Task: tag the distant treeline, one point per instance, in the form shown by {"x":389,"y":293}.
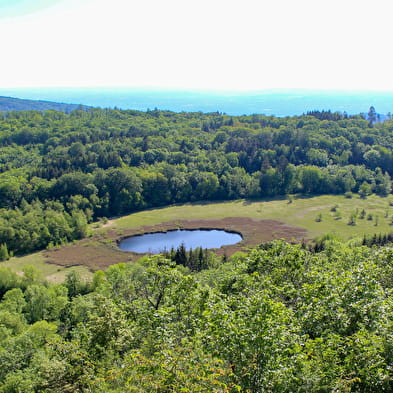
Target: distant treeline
{"x":8,"y":104}
{"x":62,"y":171}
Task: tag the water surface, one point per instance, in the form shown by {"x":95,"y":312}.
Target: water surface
{"x":159,"y":242}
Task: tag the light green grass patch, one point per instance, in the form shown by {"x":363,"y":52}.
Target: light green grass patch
{"x":302,"y":212}
{"x":60,"y":275}
{"x":51,"y":272}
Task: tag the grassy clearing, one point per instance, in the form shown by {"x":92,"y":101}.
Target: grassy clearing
{"x":60,"y":274}
{"x":316,"y":214}
{"x":313,"y":213}
{"x":53,"y":273}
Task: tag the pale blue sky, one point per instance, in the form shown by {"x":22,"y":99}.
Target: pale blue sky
{"x":14,"y":8}
{"x":207,"y":44}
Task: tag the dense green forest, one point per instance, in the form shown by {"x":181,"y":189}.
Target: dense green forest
{"x":277,"y":319}
{"x":59,"y":171}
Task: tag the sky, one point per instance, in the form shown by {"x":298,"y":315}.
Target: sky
{"x":198,"y":44}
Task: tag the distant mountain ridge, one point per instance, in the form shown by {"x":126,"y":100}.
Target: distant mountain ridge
{"x":280,"y":103}
{"x":8,"y":104}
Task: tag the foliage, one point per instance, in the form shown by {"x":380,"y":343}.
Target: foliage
{"x":60,"y":171}
{"x":195,"y":259}
{"x":4,"y":255}
{"x":280,"y":318}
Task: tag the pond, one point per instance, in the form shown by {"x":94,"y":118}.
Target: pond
{"x":157,"y":242}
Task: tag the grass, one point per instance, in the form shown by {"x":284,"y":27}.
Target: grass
{"x":302,"y":212}
{"x":53,"y":273}
{"x":319,"y":215}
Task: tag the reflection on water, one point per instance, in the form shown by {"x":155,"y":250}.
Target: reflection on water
{"x":158,"y":242}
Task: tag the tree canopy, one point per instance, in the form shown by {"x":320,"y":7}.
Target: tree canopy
{"x":60,"y":171}
{"x":279,"y":318}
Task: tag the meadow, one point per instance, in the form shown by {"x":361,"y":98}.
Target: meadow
{"x":297,"y":211}
{"x":349,"y":219}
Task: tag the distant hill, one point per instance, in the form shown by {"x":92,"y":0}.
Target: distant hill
{"x":8,"y":104}
{"x":278,"y":102}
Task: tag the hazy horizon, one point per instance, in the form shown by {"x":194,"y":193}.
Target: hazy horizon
{"x":279,"y":102}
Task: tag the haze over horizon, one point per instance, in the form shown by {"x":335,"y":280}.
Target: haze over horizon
{"x":208,"y":45}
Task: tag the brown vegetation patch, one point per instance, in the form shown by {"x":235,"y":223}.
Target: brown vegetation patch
{"x":101,"y":251}
{"x":95,"y":255}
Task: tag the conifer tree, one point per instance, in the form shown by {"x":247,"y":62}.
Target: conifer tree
{"x":4,"y":255}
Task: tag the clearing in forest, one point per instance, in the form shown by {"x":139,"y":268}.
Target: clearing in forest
{"x":258,"y":221}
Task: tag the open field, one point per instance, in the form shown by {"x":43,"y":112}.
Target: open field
{"x":257,"y":221}
{"x":51,"y":272}
{"x":302,"y":212}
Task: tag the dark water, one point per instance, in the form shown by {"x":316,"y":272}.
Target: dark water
{"x":158,"y":242}
{"x":277,"y":102}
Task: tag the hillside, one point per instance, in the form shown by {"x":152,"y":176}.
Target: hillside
{"x":59,"y":172}
{"x":8,"y":104}
{"x":274,"y":317}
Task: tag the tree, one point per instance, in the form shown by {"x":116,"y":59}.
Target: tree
{"x":8,"y":280}
{"x":10,"y":192}
{"x":311,"y":179}
{"x":75,"y":285}
{"x":384,"y":185}
{"x":4,"y":255}
{"x":45,"y":303}
{"x":270,"y":182}
{"x":181,"y":255}
{"x":155,"y":188}
{"x":13,"y":301}
{"x":372,"y":116}
{"x":205,"y":185}
{"x":364,"y":190}
{"x":372,"y":158}
{"x":124,"y":189}
{"x":317,"y":157}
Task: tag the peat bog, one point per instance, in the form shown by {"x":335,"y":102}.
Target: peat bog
{"x":101,"y":250}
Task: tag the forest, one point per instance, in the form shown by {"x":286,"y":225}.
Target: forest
{"x":59,"y":172}
{"x":278,"y":318}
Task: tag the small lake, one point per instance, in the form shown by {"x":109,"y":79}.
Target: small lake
{"x":158,"y":242}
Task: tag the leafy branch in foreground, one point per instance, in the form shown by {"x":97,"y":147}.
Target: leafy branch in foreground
{"x":278,"y":319}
